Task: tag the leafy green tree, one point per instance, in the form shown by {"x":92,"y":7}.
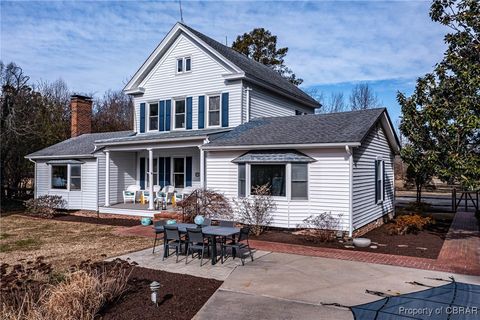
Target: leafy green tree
{"x":260,"y":45}
{"x":442,"y":117}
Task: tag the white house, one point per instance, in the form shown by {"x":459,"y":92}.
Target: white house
{"x":207,"y":116}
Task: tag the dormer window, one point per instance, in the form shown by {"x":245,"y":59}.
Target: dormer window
{"x":184,"y":65}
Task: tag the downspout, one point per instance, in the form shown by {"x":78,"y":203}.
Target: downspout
{"x":34,"y":178}
{"x":350,"y":196}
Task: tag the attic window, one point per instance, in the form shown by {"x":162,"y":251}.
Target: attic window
{"x":184,"y":64}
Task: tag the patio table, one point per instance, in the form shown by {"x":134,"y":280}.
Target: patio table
{"x":212,"y":231}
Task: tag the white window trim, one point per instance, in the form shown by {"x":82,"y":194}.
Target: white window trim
{"x":184,"y":64}
{"x":208,"y":110}
{"x":148,"y":117}
{"x":68,"y":178}
{"x":174,"y":114}
{"x":288,"y":182}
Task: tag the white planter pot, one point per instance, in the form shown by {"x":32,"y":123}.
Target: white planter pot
{"x":361,"y":242}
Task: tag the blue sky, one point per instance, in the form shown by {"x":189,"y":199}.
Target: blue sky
{"x":98,"y":45}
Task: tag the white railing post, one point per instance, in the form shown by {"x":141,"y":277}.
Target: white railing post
{"x":107,"y":178}
{"x":150,"y":179}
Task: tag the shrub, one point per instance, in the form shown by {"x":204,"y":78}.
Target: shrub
{"x":208,"y":203}
{"x":45,"y":206}
{"x":411,"y":223}
{"x":34,"y":291}
{"x":256,"y":210}
{"x":321,"y":227}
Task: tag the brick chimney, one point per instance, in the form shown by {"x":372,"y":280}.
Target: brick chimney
{"x":81,"y":115}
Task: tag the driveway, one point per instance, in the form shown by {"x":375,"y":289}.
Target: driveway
{"x":287,"y":286}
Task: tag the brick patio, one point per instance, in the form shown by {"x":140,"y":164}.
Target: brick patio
{"x":460,"y":252}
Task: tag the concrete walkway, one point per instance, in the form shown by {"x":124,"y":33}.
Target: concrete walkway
{"x":287,"y":286}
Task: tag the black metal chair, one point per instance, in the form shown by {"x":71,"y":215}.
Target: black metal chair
{"x":239,"y":245}
{"x":159,"y":223}
{"x":196,"y":242}
{"x":172,"y":239}
{"x":207,"y":222}
{"x":226,"y":223}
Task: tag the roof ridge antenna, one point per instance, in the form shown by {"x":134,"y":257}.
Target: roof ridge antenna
{"x":181,"y":12}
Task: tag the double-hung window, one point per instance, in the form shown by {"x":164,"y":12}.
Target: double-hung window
{"x":214,"y":111}
{"x":153,"y":116}
{"x":379,"y":180}
{"x":66,"y":177}
{"x":184,"y":64}
{"x":179,"y":172}
{"x":299,"y":178}
{"x":180,"y":114}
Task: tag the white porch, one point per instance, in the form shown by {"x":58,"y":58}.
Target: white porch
{"x":146,"y":167}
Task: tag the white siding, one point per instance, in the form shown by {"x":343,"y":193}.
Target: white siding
{"x":122,"y":174}
{"x":328,"y":185}
{"x":205,"y":78}
{"x":264,"y":103}
{"x":365,"y":209}
{"x":85,"y":199}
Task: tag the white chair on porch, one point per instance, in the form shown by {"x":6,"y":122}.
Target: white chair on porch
{"x":185,"y":192}
{"x":146,"y":193}
{"x":131,"y":193}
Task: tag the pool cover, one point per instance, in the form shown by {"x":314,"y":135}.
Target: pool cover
{"x":452,"y":301}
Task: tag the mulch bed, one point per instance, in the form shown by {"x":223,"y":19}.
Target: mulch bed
{"x":180,"y":296}
{"x":431,"y":238}
{"x":118,"y":222}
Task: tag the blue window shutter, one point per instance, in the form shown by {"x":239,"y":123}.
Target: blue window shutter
{"x":161,"y":116}
{"x":189,"y":113}
{"x":201,"y":112}
{"x":167,"y":171}
{"x":142,"y":117}
{"x":188,"y":171}
{"x":225,"y":109}
{"x":142,"y":173}
{"x":161,"y":172}
{"x":168,"y":110}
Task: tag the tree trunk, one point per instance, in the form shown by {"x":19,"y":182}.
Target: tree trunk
{"x":419,"y":193}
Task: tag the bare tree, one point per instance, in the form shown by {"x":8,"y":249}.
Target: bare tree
{"x":113,"y":112}
{"x":363,"y":97}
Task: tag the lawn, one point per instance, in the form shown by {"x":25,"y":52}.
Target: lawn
{"x":62,"y":243}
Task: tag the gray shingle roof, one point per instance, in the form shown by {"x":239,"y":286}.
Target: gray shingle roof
{"x":319,"y":128}
{"x":78,"y":146}
{"x":154,"y":136}
{"x":255,"y":69}
{"x":273,"y":156}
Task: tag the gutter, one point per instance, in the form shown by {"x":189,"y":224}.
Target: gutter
{"x":202,"y":137}
{"x":283,"y":146}
{"x":61,"y":156}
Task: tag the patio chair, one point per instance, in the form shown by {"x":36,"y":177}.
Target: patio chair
{"x":196,"y":242}
{"x":183,"y":194}
{"x":160,"y":223}
{"x":168,"y":192}
{"x":207,"y":222}
{"x":172,"y":239}
{"x":226,"y":223}
{"x":146,"y":193}
{"x":241,"y":244}
{"x":131,"y":193}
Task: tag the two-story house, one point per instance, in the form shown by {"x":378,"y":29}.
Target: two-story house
{"x":207,"y":116}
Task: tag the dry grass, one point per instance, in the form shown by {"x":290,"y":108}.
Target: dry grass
{"x":61,"y":243}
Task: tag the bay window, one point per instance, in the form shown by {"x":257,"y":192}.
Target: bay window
{"x":66,"y":177}
{"x":299,"y":181}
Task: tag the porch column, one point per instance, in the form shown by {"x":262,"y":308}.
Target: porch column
{"x":107,"y":178}
{"x":150,"y":179}
{"x":202,"y":167}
